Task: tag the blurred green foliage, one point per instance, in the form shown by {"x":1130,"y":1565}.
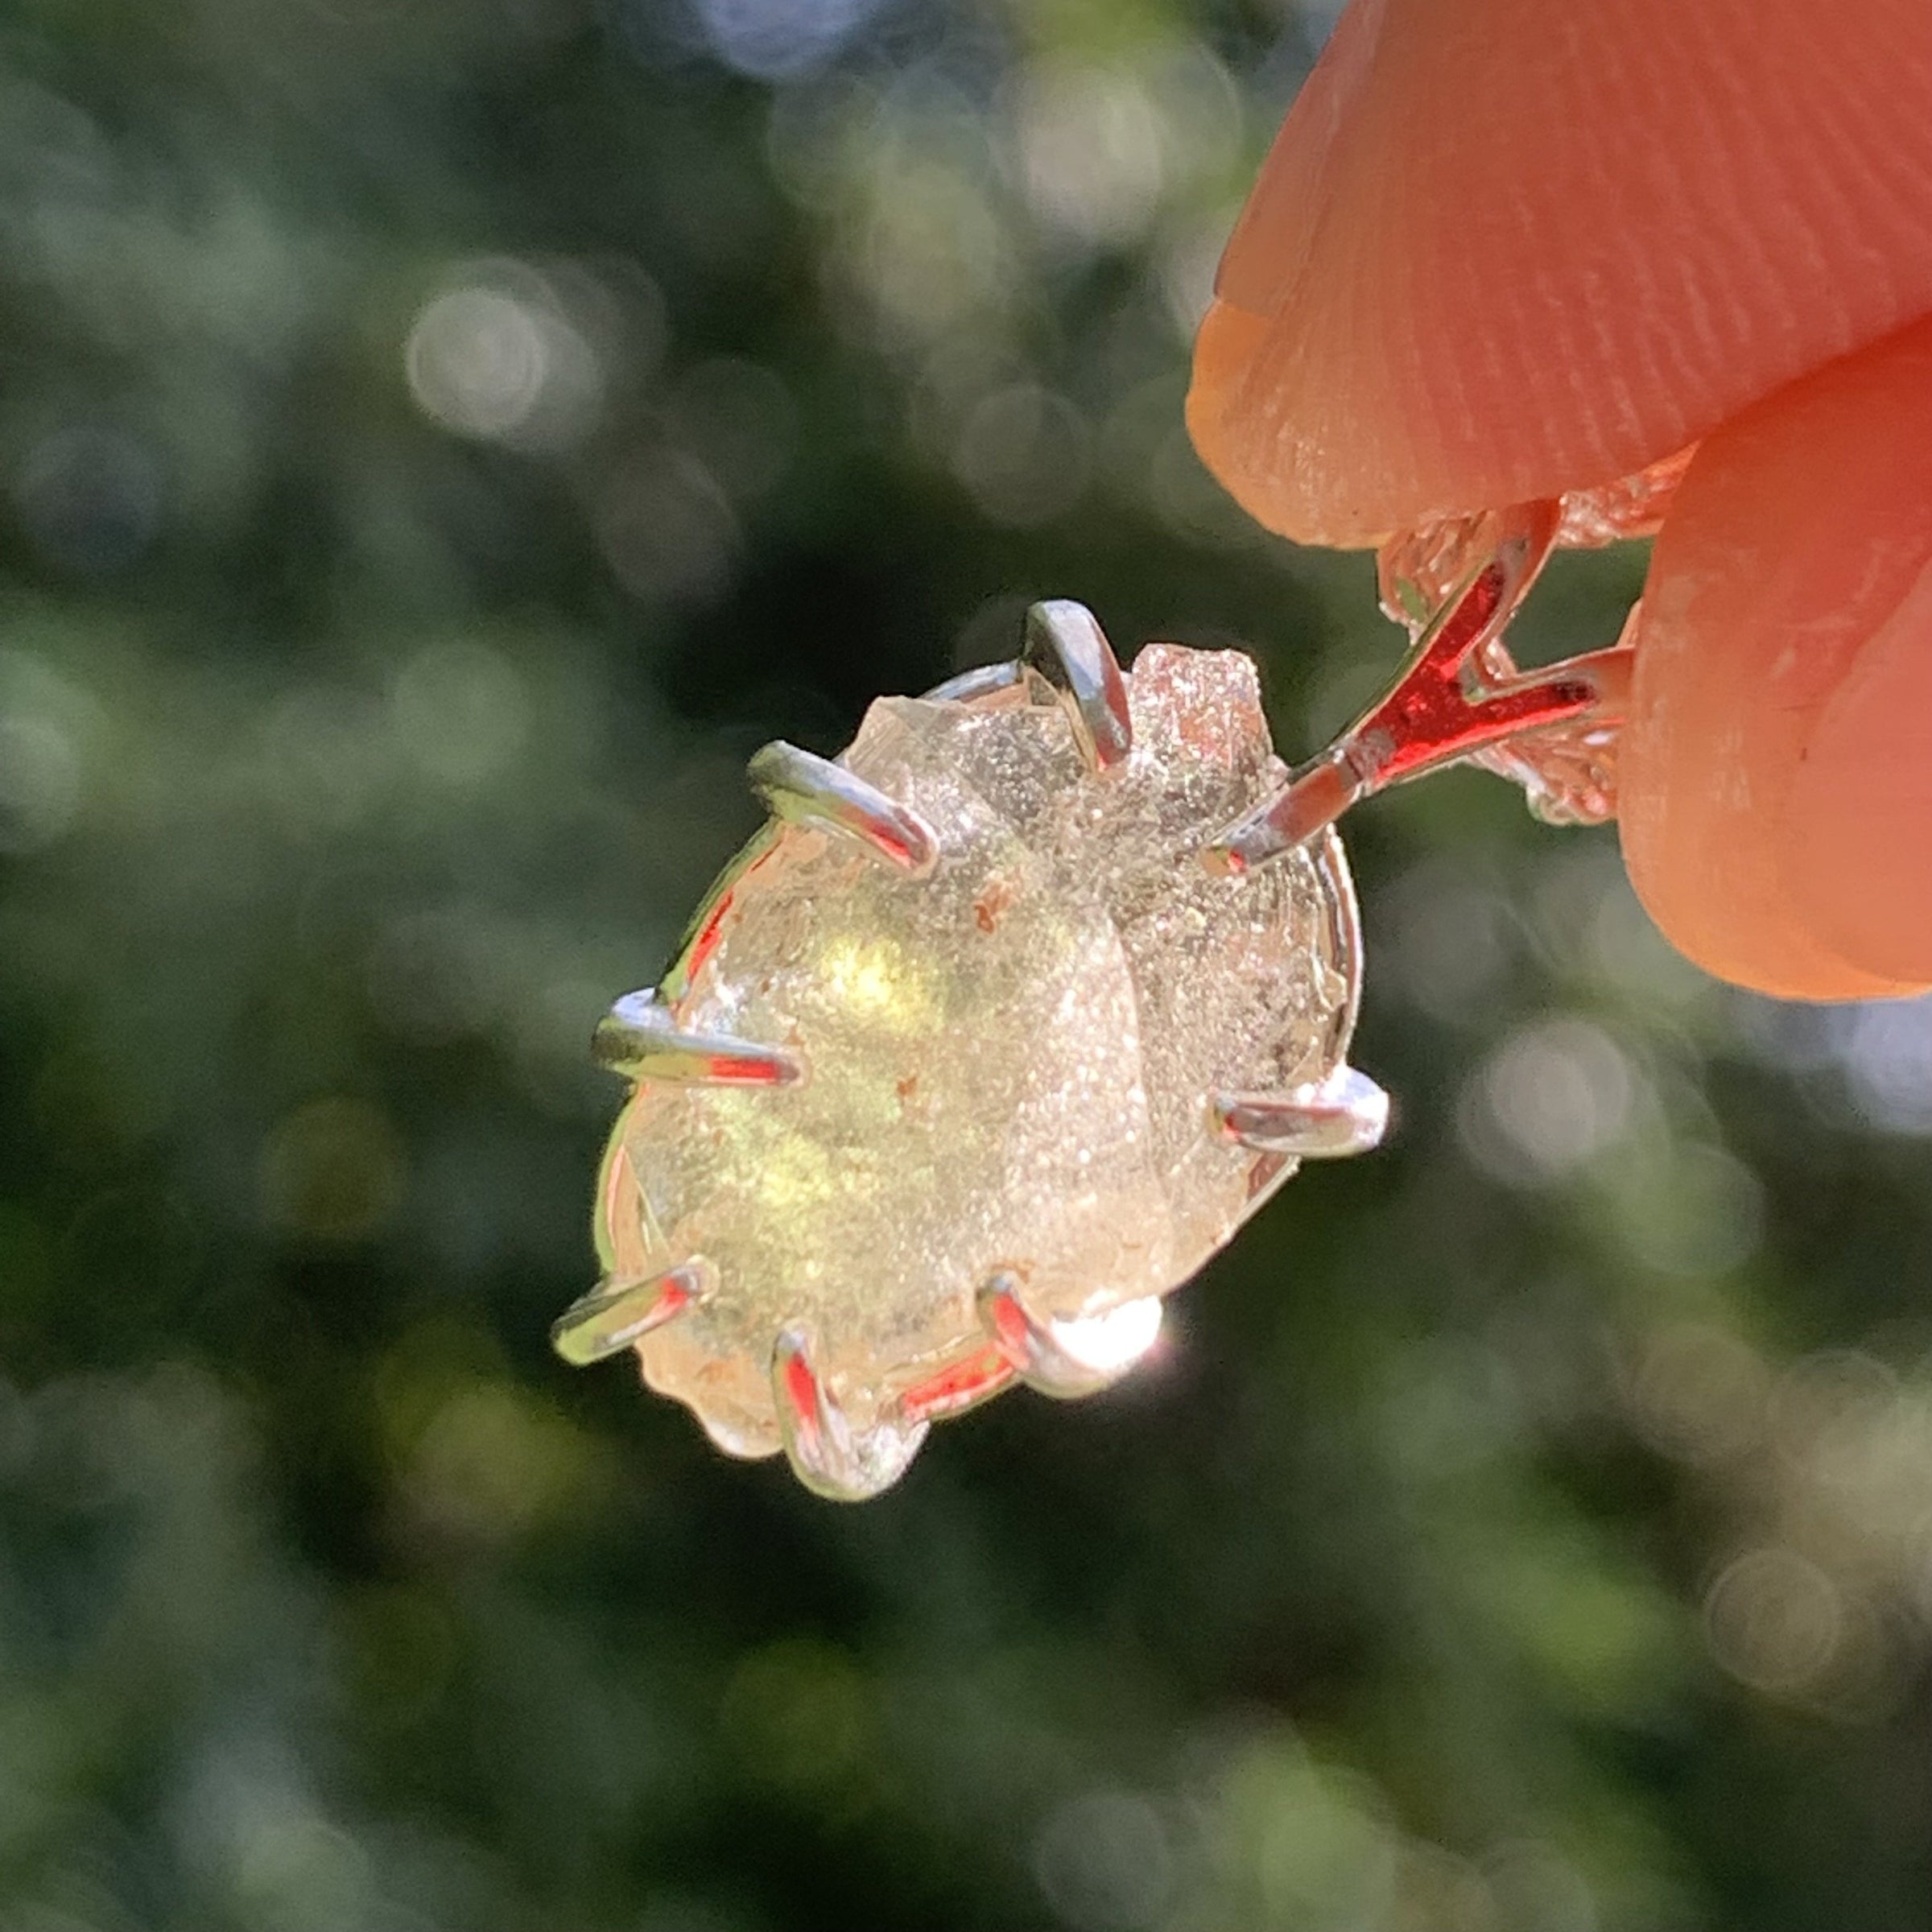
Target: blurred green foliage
{"x":439,"y":438}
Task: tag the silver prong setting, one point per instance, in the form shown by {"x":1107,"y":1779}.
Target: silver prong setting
{"x":1312,"y":800}
{"x":1067,"y":1359}
{"x":955,"y":1389}
{"x":1065,"y":645}
{"x":982,"y":681}
{"x":800,"y":786}
{"x":1345,"y":1114}
{"x":639,"y":1039}
{"x":620,"y":1314}
{"x":828,"y":1455}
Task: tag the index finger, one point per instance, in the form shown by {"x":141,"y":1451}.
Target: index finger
{"x":1503,"y":248}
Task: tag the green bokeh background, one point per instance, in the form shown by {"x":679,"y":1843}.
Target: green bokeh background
{"x":439,"y":439}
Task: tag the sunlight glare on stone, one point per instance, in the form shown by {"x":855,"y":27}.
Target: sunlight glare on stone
{"x":874,"y":978}
{"x":1114,"y":1340}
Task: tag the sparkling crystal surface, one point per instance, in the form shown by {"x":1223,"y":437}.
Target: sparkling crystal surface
{"x":1417,"y":568}
{"x":1568,"y":775}
{"x":1009,"y":1063}
{"x":1632,"y":506}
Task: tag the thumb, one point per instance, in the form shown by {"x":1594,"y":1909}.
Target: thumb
{"x":1777,"y":771}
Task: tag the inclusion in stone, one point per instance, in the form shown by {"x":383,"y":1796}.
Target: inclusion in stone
{"x":1009,"y":1133}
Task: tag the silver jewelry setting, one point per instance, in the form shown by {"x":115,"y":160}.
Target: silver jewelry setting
{"x":850,"y":1426}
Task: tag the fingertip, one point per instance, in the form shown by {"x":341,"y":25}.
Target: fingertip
{"x":1764,"y":952}
{"x":1276,"y":484}
{"x":1223,"y":350}
{"x":1501,"y":250}
{"x":1775,"y":806}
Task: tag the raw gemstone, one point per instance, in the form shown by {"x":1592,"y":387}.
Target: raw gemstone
{"x":1009,"y":1063}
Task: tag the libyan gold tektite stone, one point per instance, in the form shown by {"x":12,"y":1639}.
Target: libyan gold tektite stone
{"x":1008,"y":1062}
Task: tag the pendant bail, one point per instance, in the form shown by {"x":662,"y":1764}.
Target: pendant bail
{"x":1458,"y":693}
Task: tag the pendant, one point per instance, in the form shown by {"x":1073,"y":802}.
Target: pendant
{"x":1010,"y":1015}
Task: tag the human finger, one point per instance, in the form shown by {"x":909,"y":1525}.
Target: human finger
{"x":1503,"y":248}
{"x":1776,"y":775}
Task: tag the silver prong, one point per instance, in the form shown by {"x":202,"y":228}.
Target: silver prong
{"x":798,"y":785}
{"x":611,"y":1317}
{"x":982,"y":681}
{"x":1346,"y":1114}
{"x":963,"y":1385}
{"x":1066,"y":646}
{"x":1315,"y":797}
{"x":828,"y":1455}
{"x":1066,"y":1359}
{"x":639,"y":1039}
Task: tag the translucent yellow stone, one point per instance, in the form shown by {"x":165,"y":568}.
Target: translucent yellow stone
{"x":1009,"y":1063}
